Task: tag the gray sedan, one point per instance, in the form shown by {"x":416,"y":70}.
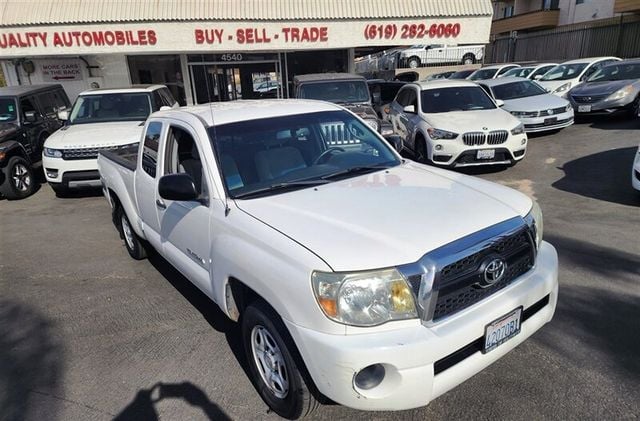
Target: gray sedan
{"x":612,"y":89}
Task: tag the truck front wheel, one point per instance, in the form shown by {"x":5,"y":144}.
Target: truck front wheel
{"x":277,"y":374}
{"x":468,"y":59}
{"x":413,"y":62}
{"x":132,"y":242}
{"x":18,"y":179}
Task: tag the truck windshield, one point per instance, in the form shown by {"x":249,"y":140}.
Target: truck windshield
{"x":336,"y":91}
{"x":8,"y":109}
{"x":100,"y":108}
{"x":269,"y":156}
{"x":445,"y":100}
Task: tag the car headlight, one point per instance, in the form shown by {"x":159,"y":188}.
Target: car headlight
{"x":364,"y":298}
{"x":52,"y":153}
{"x":562,"y":88}
{"x":621,"y":93}
{"x":438,"y":134}
{"x":372,"y":123}
{"x":535,"y":221}
{"x":524,"y":114}
{"x":568,"y":108}
{"x":519,"y":129}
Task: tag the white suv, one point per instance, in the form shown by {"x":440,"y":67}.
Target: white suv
{"x":100,"y":119}
{"x":455,"y":123}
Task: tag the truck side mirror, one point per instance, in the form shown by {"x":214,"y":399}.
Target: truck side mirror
{"x":499,"y":103}
{"x":63,"y":115}
{"x":179,"y":187}
{"x":409,"y":109}
{"x":30,"y":116}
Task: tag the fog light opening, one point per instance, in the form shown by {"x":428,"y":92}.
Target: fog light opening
{"x":369,"y":377}
{"x":51,"y":173}
{"x":438,"y":147}
{"x":523,"y":141}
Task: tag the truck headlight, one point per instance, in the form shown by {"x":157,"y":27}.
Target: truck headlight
{"x":372,"y":123}
{"x":519,"y":129}
{"x":52,"y":153}
{"x":620,"y":93}
{"x":364,"y":298}
{"x":535,"y":221}
{"x":438,"y":134}
{"x":562,"y":88}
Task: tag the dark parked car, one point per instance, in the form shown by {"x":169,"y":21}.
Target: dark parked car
{"x":462,"y":74}
{"x":28,"y":115}
{"x":382,"y":94}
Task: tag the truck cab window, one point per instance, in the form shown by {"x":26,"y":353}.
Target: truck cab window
{"x":183,"y":157}
{"x":26,"y":105}
{"x":150,"y":148}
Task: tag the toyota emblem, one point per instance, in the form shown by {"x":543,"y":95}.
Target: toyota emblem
{"x":493,"y":272}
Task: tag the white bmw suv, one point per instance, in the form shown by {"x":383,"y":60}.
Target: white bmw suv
{"x":454,"y":123}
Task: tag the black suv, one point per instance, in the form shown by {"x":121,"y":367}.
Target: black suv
{"x":28,"y":115}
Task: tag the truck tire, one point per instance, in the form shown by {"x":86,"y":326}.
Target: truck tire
{"x":134,"y":244}
{"x":413,"y":62}
{"x":19,"y":180}
{"x":277,"y":370}
{"x":469,"y":59}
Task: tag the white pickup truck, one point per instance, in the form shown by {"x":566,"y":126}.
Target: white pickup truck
{"x":429,"y":55}
{"x":354,"y":274}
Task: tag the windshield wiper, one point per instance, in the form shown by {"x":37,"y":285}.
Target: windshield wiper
{"x":361,"y":169}
{"x":281,"y":186}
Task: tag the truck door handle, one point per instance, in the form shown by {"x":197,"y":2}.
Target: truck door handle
{"x":160,"y":204}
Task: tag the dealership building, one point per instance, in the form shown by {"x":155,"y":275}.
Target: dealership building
{"x":216,"y":50}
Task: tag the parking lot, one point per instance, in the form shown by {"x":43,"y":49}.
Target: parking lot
{"x":88,"y":333}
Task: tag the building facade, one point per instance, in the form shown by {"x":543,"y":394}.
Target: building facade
{"x":216,"y":50}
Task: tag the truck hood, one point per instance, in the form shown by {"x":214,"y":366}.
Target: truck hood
{"x":601,"y":88}
{"x":95,"y":135}
{"x":387,"y":218}
{"x":362,"y":111}
{"x":535,"y":103}
{"x":7,"y":130}
{"x":471,"y":121}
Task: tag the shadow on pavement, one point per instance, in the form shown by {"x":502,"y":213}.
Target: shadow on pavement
{"x":611,"y":122}
{"x":603,"y":176}
{"x":143,"y":405}
{"x":31,"y":362}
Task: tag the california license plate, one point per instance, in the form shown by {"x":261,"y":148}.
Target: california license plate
{"x":551,"y":120}
{"x":486,"y":154}
{"x":584,"y":108}
{"x":501,"y":330}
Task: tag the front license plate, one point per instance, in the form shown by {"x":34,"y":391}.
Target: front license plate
{"x":501,"y":330}
{"x":584,"y":108}
{"x":486,"y":154}
{"x":551,"y":120}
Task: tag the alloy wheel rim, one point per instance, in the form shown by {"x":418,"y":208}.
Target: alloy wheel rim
{"x":128,"y":235}
{"x":269,"y":361}
{"x":21,"y":177}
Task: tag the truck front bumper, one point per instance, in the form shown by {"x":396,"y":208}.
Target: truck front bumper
{"x":422,"y":362}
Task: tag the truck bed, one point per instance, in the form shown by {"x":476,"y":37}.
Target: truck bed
{"x":126,"y":157}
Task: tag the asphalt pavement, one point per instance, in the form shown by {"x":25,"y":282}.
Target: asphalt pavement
{"x":86,"y":333}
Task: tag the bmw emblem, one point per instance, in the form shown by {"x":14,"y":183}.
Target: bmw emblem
{"x":484,"y":128}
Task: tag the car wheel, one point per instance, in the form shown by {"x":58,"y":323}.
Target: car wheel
{"x":414,"y":62}
{"x":132,"y":242}
{"x":634,"y":111}
{"x":277,"y":371}
{"x":469,"y":59}
{"x":421,"y":154}
{"x":19,"y":181}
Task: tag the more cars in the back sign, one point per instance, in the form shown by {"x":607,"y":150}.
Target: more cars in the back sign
{"x":560,"y":79}
{"x":615,"y":88}
{"x":533,"y":105}
{"x":492,"y":72}
{"x":456,"y":124}
{"x":533,"y":72}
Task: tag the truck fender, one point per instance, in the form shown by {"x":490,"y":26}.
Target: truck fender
{"x":128,"y":208}
{"x":12,"y":148}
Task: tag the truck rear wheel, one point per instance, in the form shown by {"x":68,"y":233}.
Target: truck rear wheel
{"x":18,"y":179}
{"x":413,"y":62}
{"x":277,"y":370}
{"x":132,"y":242}
{"x":468,"y":59}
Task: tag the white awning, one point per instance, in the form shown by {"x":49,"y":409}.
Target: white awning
{"x":60,"y":12}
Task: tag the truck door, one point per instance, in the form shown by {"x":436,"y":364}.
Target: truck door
{"x":146,"y":180}
{"x":31,"y":128}
{"x":185,"y":231}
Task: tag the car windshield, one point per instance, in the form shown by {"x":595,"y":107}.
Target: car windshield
{"x":520,"y":89}
{"x":8,"y":109}
{"x":518,"y":72}
{"x":462,"y":74}
{"x":616,"y":72}
{"x":444,"y":100}
{"x":564,"y":72}
{"x":269,"y":156}
{"x":337,"y":91}
{"x":481,"y":74}
{"x":100,"y":108}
